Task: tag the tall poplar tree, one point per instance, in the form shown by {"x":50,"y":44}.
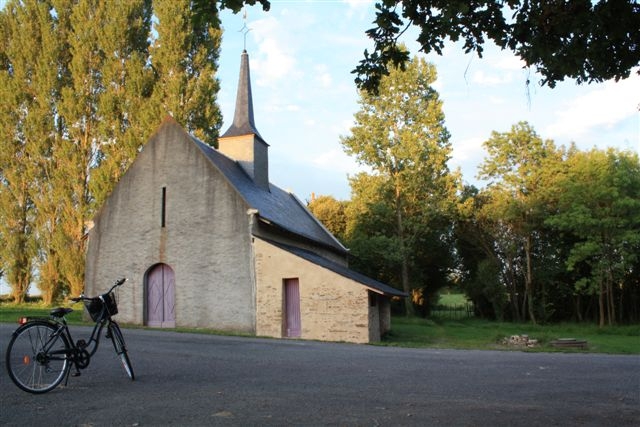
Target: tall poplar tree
{"x":125,"y":108}
{"x":184,"y":58}
{"x":82,"y":90}
{"x":106,"y":44}
{"x":29,"y":82}
{"x":400,"y":134}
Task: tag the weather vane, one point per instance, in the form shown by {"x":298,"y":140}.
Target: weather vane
{"x":245,"y":30}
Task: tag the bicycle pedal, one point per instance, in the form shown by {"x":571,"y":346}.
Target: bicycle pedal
{"x":76,"y":374}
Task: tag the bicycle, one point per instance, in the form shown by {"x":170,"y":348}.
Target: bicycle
{"x":41,"y":351}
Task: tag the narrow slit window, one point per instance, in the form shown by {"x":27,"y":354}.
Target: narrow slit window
{"x":163,"y":209}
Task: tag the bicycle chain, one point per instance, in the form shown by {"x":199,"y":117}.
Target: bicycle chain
{"x":82,"y":356}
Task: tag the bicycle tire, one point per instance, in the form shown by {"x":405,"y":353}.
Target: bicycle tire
{"x":121,"y":349}
{"x":37,"y":359}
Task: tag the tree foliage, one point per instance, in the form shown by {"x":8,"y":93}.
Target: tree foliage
{"x":400,"y":134}
{"x":580,"y":39}
{"x":184,"y":58}
{"x":84,"y":83}
{"x":599,"y":205}
{"x":516,"y":166}
{"x":559,"y":227}
{"x":27,"y":49}
{"x":331,"y":213}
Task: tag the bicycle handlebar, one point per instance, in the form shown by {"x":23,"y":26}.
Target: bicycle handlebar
{"x":84,"y":298}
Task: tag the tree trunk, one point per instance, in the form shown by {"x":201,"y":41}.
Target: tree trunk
{"x":528,"y":280}
{"x":601,"y":302}
{"x":409,"y":310}
{"x":513,"y":291}
{"x":404,"y":265}
{"x":578,"y":308}
{"x":611,"y":308}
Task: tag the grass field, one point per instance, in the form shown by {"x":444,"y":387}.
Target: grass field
{"x":452,"y":299}
{"x":488,"y":335}
{"x":468,"y":333}
{"x":10,"y":313}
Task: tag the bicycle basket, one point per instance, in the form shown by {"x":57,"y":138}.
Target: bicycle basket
{"x":96,"y":305}
{"x":111,"y":303}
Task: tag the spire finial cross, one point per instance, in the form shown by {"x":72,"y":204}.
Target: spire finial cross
{"x":245,"y":29}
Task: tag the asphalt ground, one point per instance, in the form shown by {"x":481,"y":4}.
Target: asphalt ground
{"x":201,"y":380}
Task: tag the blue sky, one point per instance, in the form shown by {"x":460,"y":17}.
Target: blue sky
{"x":301,"y":56}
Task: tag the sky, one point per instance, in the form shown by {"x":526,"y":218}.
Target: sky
{"x":301,"y":56}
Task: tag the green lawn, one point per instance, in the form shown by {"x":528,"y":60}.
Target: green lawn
{"x":487,"y":335}
{"x":451,"y":299}
{"x":457,"y":334}
{"x":10,"y":313}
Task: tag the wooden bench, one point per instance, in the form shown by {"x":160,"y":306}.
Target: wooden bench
{"x":569,"y":343}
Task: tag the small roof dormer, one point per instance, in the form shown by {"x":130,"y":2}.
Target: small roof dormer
{"x":242,"y":141}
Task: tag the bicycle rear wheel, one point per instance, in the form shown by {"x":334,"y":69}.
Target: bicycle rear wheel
{"x":121,"y":349}
{"x":37,"y":357}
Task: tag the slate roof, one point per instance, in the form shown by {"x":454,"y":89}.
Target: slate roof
{"x":277,"y":207}
{"x":281,"y":208}
{"x":341,"y":270}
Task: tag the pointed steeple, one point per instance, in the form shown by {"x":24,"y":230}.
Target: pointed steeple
{"x":243,"y":121}
{"x":241,"y":141}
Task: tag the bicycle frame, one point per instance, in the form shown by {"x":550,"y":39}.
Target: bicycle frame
{"x":41,"y":341}
{"x":81,"y":351}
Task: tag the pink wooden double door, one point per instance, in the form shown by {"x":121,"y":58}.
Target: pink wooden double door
{"x":161,"y":297}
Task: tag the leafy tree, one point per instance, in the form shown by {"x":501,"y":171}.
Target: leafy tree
{"x":27,"y":50}
{"x":479,"y":273}
{"x":184,"y":58}
{"x":104,"y":43}
{"x":82,"y":91}
{"x":369,"y":229}
{"x":208,"y":6}
{"x":590,"y":41}
{"x":599,"y":204}
{"x":400,"y":134}
{"x":580,"y":39}
{"x":331,"y":213}
{"x":516,"y":167}
{"x":125,"y":108}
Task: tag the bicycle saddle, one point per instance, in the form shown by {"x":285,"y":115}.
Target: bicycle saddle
{"x":60,"y":311}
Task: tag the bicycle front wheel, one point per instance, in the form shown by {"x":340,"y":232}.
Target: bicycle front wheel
{"x":37,"y":357}
{"x":121,"y":349}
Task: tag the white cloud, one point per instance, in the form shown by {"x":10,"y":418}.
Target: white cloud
{"x":276,"y":58}
{"x":467,"y":149}
{"x":343,"y":128}
{"x":358,"y":4}
{"x":323,"y":76}
{"x":603,"y":107}
{"x":278,"y":106}
{"x":497,"y":100}
{"x":337,"y":161}
{"x":467,"y":155}
{"x":509,"y":62}
{"x":482,"y":78}
{"x":358,"y":7}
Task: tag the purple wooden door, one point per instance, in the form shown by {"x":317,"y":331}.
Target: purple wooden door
{"x":161,"y":297}
{"x":292,"y":308}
